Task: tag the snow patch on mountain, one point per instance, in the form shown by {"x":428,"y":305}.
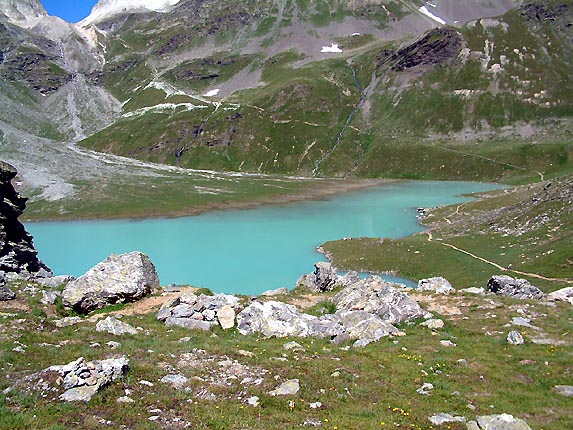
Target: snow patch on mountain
{"x":107,"y":8}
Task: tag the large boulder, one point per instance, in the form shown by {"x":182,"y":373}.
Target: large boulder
{"x":17,"y":252}
{"x":363,"y":327}
{"x":118,"y":279}
{"x":504,"y":285}
{"x":281,"y":319}
{"x":379,"y":297}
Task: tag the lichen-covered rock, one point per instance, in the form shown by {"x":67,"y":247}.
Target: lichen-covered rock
{"x":504,"y":285}
{"x":437,"y":285}
{"x":118,"y":279}
{"x":379,"y":297}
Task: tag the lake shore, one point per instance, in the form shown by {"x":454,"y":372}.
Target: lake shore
{"x":308,"y":189}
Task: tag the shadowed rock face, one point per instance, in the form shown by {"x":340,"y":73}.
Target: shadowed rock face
{"x":17,"y":253}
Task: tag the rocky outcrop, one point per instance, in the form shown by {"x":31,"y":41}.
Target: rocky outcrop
{"x":17,"y":252}
{"x":504,"y":285}
{"x":380,"y":298}
{"x":281,"y":319}
{"x":5,"y":292}
{"x":200,"y":312}
{"x":324,"y":278}
{"x":564,"y":295}
{"x":118,"y":279}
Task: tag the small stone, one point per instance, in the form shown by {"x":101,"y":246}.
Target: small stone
{"x":125,"y":399}
{"x":153,"y":418}
{"x":293,"y":346}
{"x":474,"y":290}
{"x":146,"y":383}
{"x":433,"y":324}
{"x":565,"y":390}
{"x":501,"y":422}
{"x":315,"y":405}
{"x":253,"y":401}
{"x":113,"y":345}
{"x":520,"y":321}
{"x":515,"y":338}
{"x":246,"y":353}
{"x":19,"y":349}
{"x":425,"y":389}
{"x":114,"y":326}
{"x":437,"y":285}
{"x":67,"y":321}
{"x":277,"y":292}
{"x":448,"y":343}
{"x":443,"y":418}
{"x":177,"y":381}
{"x":287,"y":388}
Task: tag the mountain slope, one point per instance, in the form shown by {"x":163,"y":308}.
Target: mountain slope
{"x":371,"y":88}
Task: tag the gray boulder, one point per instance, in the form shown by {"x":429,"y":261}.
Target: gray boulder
{"x":564,"y":390}
{"x":437,"y":285}
{"x":378,"y":297}
{"x":444,"y":418}
{"x":117,"y":279}
{"x":114,"y":326}
{"x":190,"y":323}
{"x":498,"y":422}
{"x":49,"y":297}
{"x":504,"y":285}
{"x":281,"y":319}
{"x":287,"y":388}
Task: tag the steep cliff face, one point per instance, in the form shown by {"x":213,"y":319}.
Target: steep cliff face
{"x":17,"y":253}
{"x":25,"y":13}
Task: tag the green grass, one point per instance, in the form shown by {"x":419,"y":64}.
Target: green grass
{"x":372,"y":387}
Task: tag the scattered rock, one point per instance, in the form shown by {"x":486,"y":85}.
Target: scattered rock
{"x":433,"y":324}
{"x":113,"y":345}
{"x":125,"y":399}
{"x":287,"y":388}
{"x":277,"y":292}
{"x":565,"y":390}
{"x":253,"y":401}
{"x":293,"y":346}
{"x":117,"y":279}
{"x":190,"y":323}
{"x":177,"y":381}
{"x":522,"y":322}
{"x":114,"y":326}
{"x":315,"y":405}
{"x":504,"y":285}
{"x":83,"y":379}
{"x":438,"y":285}
{"x":444,"y":418}
{"x":448,"y":343}
{"x":425,"y":389}
{"x":378,"y":297}
{"x":67,"y":321}
{"x":498,"y":422}
{"x":515,"y":338}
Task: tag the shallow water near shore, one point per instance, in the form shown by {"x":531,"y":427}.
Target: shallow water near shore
{"x":246,"y":251}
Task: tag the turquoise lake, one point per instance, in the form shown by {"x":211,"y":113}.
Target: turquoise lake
{"x":246,"y":251}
